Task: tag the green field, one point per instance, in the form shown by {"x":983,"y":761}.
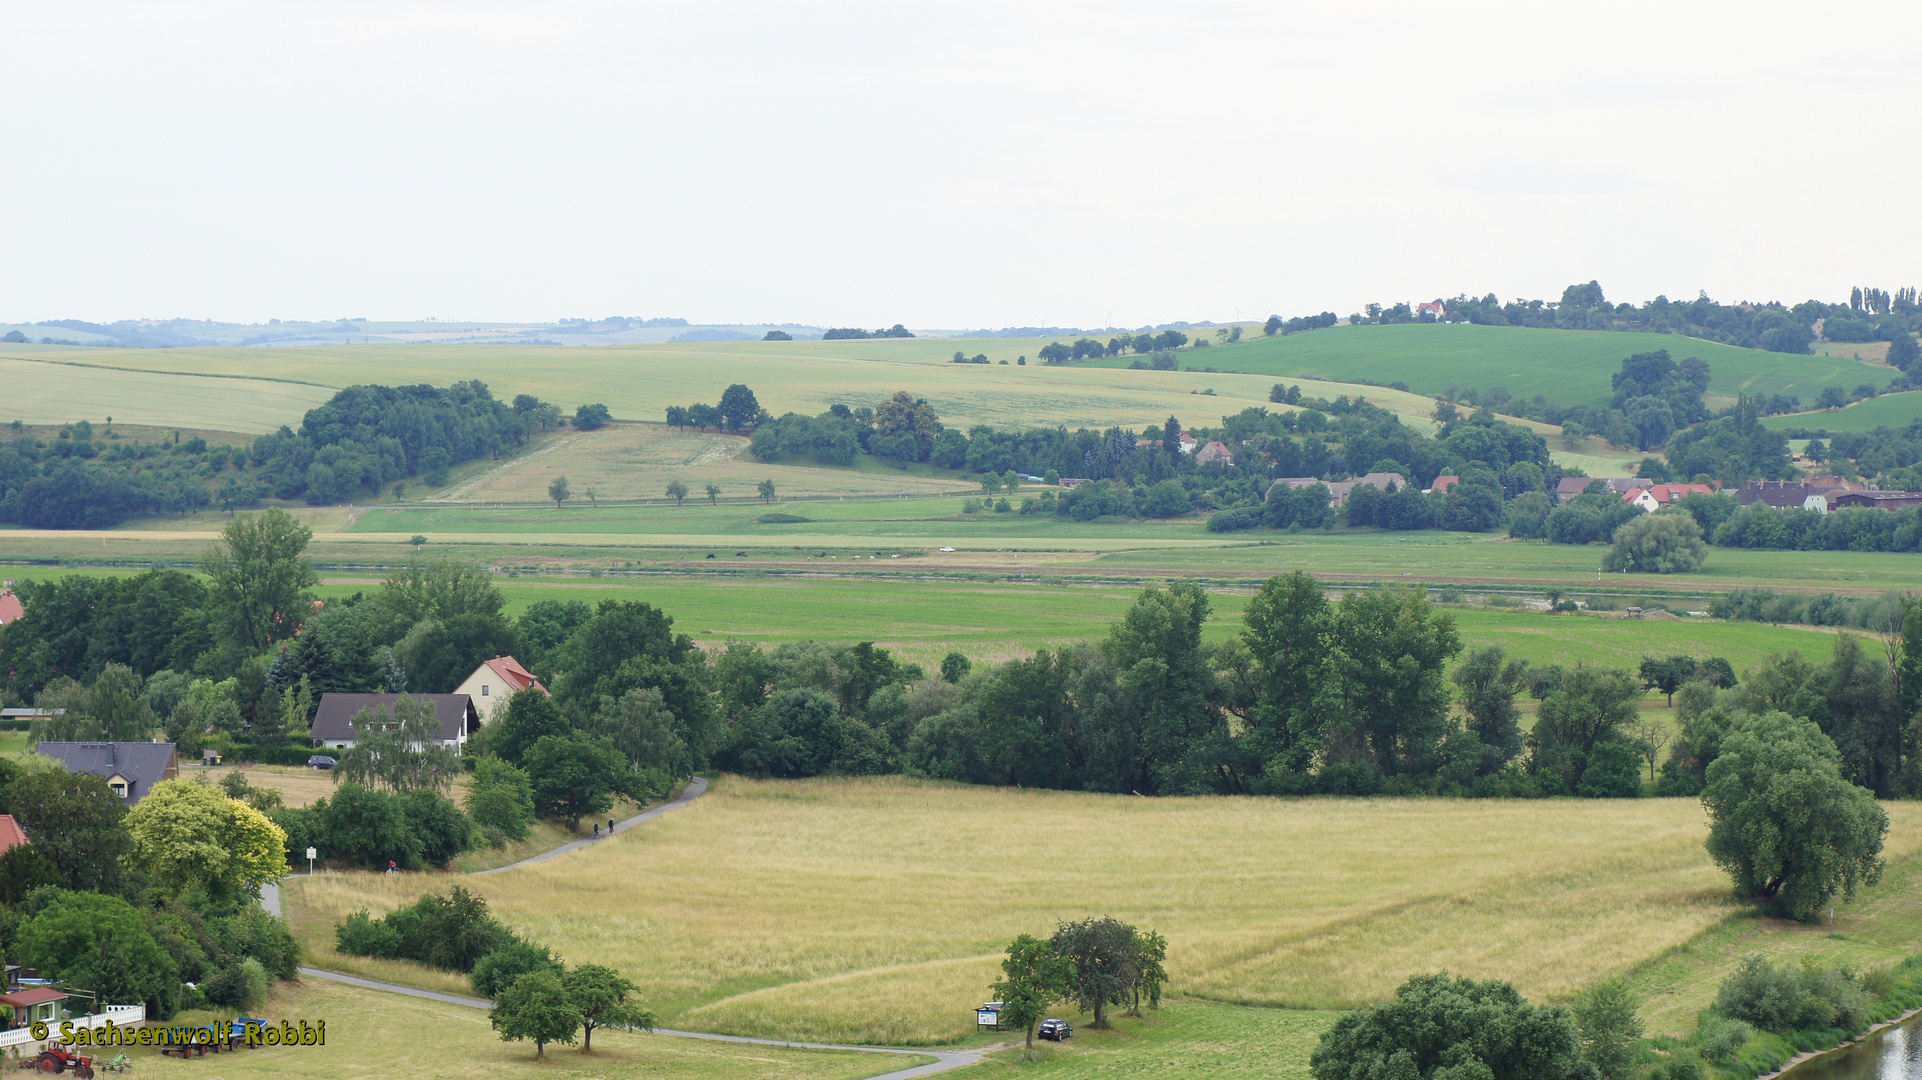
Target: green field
{"x":875,"y":909}
{"x":1569,"y":367}
{"x":924,"y":620}
{"x":373,"y":1035}
{"x":1888,"y":410}
{"x":40,"y":392}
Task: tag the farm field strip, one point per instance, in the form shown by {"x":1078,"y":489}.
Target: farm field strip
{"x":39,"y":392}
{"x":874,"y":910}
{"x":1569,"y":367}
{"x":1888,"y":410}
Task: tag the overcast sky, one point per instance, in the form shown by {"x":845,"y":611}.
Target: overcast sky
{"x":943,"y":165}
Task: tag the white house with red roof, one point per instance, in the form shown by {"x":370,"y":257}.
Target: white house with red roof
{"x":1656,"y":496}
{"x":495,"y":681}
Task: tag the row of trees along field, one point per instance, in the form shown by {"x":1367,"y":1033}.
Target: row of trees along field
{"x":362,"y":440}
{"x":1870,"y":315}
{"x":1313,"y":696}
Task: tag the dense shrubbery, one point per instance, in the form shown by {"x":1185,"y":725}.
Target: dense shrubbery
{"x":452,"y":932}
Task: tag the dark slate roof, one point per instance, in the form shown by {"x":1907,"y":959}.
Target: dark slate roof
{"x":142,"y":763}
{"x":335,"y":717}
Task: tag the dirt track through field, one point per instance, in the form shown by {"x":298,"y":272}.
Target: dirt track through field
{"x":945,"y":1059}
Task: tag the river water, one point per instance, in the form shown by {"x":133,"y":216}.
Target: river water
{"x":1890,"y":1054}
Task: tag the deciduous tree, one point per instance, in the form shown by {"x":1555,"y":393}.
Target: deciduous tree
{"x":186,"y":836}
{"x":600,"y":993}
{"x":1784,"y":822}
{"x":258,"y":576}
{"x":536,"y":1007}
{"x":1034,"y":977}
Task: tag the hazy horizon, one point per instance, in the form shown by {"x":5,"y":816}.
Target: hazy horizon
{"x":944,"y":166}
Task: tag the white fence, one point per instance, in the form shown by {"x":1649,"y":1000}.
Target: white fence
{"x":20,"y":1039}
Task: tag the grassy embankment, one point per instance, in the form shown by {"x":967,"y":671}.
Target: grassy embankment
{"x":875,"y":910}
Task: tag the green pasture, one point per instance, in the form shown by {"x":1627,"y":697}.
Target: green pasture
{"x":924,"y":620}
{"x":1888,"y":410}
{"x":1566,"y":366}
{"x":1186,"y":1037}
{"x":38,"y":391}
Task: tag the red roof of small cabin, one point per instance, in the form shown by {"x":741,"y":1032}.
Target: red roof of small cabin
{"x":36,"y":995}
{"x":10,"y":608}
{"x":11,"y":834}
{"x":1443,"y":483}
{"x":516,"y":676}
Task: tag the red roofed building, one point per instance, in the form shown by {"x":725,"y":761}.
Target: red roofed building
{"x":495,"y":681}
{"x":10,"y":608}
{"x":33,"y":1003}
{"x":1655,"y":497}
{"x":11,"y":834}
{"x":1443,"y":483}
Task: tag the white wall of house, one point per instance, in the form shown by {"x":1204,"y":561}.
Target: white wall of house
{"x":487,"y":690}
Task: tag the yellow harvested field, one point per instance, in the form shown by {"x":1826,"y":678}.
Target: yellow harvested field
{"x":636,"y":461}
{"x":876,"y":910}
{"x":38,"y":391}
{"x":638,"y":382}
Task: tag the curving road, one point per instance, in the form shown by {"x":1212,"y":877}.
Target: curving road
{"x":944,"y":1059}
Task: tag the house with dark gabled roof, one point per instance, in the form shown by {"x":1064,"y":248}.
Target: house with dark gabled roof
{"x":131,"y":769}
{"x":334,"y":718}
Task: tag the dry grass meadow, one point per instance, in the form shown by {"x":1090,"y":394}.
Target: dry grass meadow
{"x":875,"y":910}
{"x":636,"y":461}
{"x":376,"y":1035}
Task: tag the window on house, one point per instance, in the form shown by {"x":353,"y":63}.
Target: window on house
{"x":483,"y":689}
{"x":118,"y":789}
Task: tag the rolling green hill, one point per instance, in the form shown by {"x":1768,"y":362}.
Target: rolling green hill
{"x":1889,"y":410}
{"x":1569,"y":367}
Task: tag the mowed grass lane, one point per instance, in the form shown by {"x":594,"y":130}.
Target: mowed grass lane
{"x":876,"y":910}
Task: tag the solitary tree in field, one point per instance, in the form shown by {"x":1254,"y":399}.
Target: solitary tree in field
{"x":1667,"y":675}
{"x":1035,"y":978}
{"x":1104,"y":955}
{"x":593,"y":495}
{"x":1650,"y":737}
{"x":766,"y":488}
{"x":600,"y":993}
{"x":738,"y":407}
{"x":1784,"y":822}
{"x":538,"y":1007}
{"x":713,"y":495}
{"x":676,"y":491}
{"x":418,"y":541}
{"x":559,"y":492}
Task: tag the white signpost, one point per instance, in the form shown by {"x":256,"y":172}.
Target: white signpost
{"x":310,"y":860}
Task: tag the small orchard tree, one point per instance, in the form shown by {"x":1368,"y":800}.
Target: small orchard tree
{"x":713,"y":495}
{"x":677,"y":491}
{"x":559,"y":491}
{"x":1105,"y":959}
{"x":536,"y":1006}
{"x":418,"y":541}
{"x":1784,"y":822}
{"x":1034,"y":978}
{"x":600,"y":993}
{"x":766,"y":490}
{"x":1151,"y":952}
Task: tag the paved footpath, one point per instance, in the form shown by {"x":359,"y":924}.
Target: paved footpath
{"x":945,"y":1059}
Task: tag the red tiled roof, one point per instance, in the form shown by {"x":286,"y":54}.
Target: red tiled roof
{"x":11,"y":834}
{"x":10,"y":608}
{"x":516,"y":676}
{"x":36,"y":995}
{"x":1443,"y":483}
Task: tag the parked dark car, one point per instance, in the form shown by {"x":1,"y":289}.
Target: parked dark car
{"x":321,"y":761}
{"x":1055,"y":1030}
